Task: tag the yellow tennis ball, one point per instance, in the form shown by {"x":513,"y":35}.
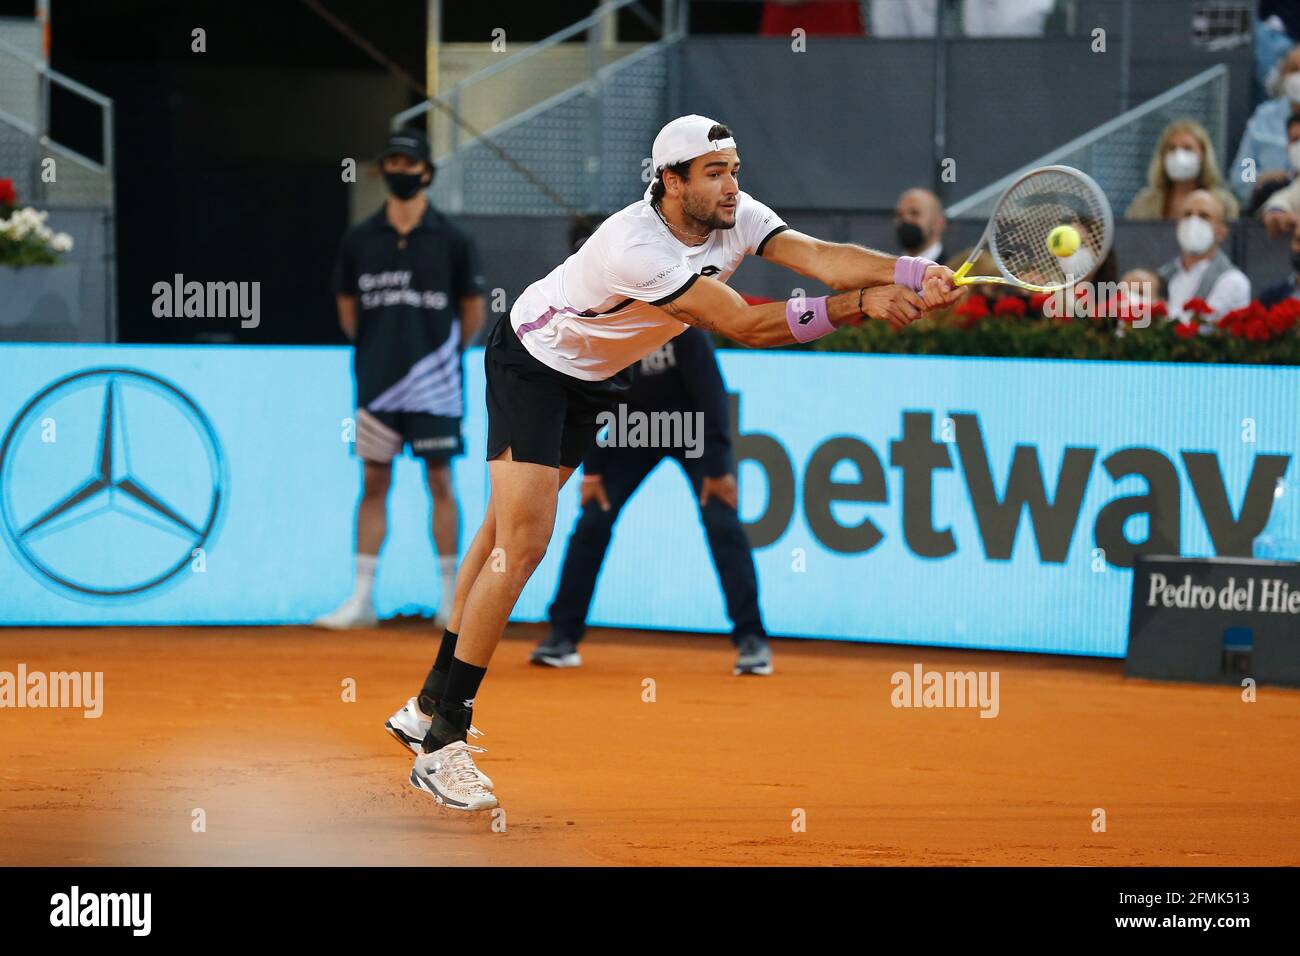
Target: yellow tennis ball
{"x":1063,"y":241}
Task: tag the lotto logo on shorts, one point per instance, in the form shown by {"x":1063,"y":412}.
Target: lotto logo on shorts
{"x":430,"y":444}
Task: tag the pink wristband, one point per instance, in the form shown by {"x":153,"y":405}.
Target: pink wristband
{"x":909,"y":271}
{"x":808,"y":318}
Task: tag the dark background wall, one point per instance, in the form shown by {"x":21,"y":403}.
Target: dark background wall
{"x":228,"y":161}
{"x":850,"y":123}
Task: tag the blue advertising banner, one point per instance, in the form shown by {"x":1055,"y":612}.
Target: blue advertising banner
{"x":988,"y":503}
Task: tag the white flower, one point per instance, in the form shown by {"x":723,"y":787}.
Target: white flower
{"x":29,"y":222}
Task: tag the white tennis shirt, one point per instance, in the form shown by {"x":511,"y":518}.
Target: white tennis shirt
{"x":594,"y":314}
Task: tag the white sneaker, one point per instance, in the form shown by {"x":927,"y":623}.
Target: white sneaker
{"x":353,"y":613}
{"x":450,"y":776}
{"x":410,"y":725}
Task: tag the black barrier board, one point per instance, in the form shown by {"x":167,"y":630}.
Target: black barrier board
{"x":1215,"y":620}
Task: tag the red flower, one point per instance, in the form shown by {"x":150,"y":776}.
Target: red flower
{"x":1288,"y":307}
{"x":1197,"y":306}
{"x":1010,"y":305}
{"x":1185,"y":330}
{"x":975,"y":308}
{"x":1037,"y":300}
{"x":1160,"y":310}
{"x":1234,"y":318}
{"x":1277,"y":324}
{"x":974,"y":303}
{"x":8,"y":195}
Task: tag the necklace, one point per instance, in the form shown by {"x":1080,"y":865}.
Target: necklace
{"x":684,"y":235}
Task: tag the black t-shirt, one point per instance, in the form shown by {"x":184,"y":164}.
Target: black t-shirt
{"x":408,"y":290}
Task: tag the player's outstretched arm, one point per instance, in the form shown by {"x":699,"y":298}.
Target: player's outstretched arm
{"x":714,"y":307}
{"x":842,"y":265}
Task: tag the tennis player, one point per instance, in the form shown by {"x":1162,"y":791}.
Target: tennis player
{"x":647,"y":273}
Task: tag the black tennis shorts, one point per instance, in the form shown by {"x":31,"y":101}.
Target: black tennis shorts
{"x":541,"y":415}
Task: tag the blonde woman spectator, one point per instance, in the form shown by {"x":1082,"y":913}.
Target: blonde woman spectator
{"x":1183,"y":162}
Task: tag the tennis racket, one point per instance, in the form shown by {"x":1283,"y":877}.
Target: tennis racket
{"x":1017,"y":234}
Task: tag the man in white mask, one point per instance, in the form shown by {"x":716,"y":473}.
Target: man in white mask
{"x":1265,"y":139}
{"x":1201,"y":270}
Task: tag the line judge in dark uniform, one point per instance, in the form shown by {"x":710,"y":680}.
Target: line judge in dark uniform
{"x":410,"y":295}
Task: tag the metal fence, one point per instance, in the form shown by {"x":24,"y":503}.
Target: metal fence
{"x":559,"y":149}
{"x":960,"y":85}
{"x":77,"y":189}
{"x":1117,"y":152}
{"x":75,"y":178}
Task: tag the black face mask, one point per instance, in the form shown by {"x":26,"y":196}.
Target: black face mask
{"x":404,"y":185}
{"x":909,"y":235}
{"x":1295,"y":261}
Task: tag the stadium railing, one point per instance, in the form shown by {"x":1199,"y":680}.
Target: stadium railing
{"x":78,"y":189}
{"x":1117,"y":152}
{"x":556,"y":147}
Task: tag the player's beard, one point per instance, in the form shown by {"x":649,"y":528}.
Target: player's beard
{"x":707,"y":215}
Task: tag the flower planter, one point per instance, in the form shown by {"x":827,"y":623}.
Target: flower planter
{"x":40,"y":303}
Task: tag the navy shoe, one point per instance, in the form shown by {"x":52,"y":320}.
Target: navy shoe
{"x":556,"y":651}
{"x":753,"y":656}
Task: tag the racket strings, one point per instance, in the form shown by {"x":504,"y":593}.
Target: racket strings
{"x":1035,"y":206}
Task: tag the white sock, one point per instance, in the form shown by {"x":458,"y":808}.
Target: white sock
{"x":447,"y":567}
{"x":366,"y":564}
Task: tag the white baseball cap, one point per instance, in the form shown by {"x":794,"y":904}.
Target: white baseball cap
{"x":683,"y":139}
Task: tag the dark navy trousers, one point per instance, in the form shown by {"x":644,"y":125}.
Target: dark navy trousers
{"x":624,"y":470}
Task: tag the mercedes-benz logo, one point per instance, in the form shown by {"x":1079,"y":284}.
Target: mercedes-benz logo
{"x":110,"y":478}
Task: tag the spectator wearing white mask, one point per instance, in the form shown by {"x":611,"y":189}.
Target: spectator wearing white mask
{"x":1202,"y":271}
{"x":1281,"y":210}
{"x":1265,"y":140}
{"x":1270,"y":187}
{"x":1183,"y":162}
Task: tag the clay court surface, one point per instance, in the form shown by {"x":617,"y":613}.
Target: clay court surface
{"x":249,"y":725}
